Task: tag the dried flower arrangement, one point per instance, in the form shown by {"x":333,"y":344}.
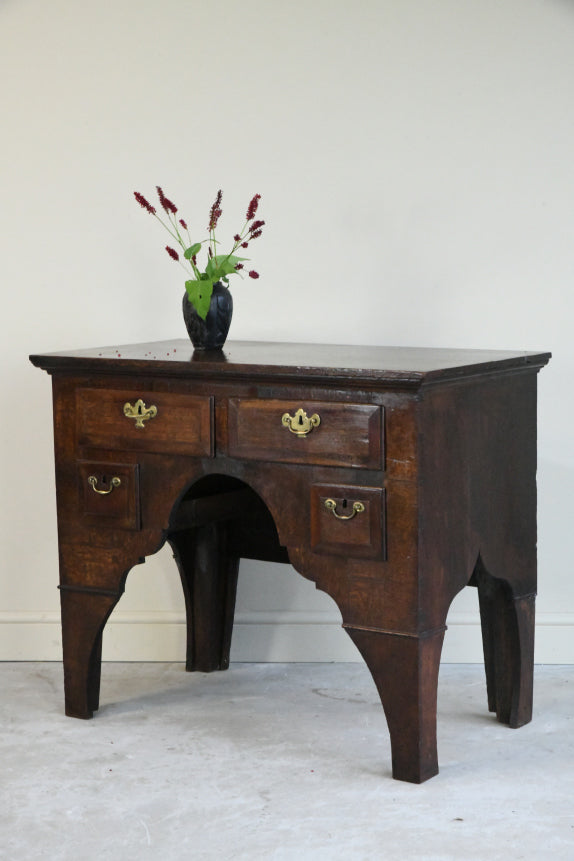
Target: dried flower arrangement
{"x":219,"y":266}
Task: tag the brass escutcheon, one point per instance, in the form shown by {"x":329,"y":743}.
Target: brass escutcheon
{"x":139,"y":412}
{"x":331,"y":506}
{"x":115,"y":482}
{"x":300,"y":424}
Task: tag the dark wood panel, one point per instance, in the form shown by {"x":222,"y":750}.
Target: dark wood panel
{"x":343,"y":531}
{"x":347,"y":435}
{"x":113,"y":499}
{"x":182,"y":423}
{"x":331,"y":363}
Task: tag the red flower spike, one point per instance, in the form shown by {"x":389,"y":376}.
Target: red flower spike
{"x":183,"y":224}
{"x":167,"y":204}
{"x":254,"y":274}
{"x":239,"y":265}
{"x":215,"y":211}
{"x":172,"y":253}
{"x":257,"y":225}
{"x":252,"y":208}
{"x":245,"y":244}
{"x":256,"y":234}
{"x":237,"y":238}
{"x":143,"y":202}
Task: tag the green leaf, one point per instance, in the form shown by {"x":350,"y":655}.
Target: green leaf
{"x":199,"y":294}
{"x":223,"y":264}
{"x":192,"y":251}
{"x":231,"y":258}
{"x":211,"y":269}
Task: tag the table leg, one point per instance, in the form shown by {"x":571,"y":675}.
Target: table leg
{"x":405,"y":670}
{"x":209,"y":579}
{"x":508,"y":643}
{"x":84,"y":615}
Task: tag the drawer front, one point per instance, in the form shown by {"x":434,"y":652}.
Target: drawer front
{"x":348,"y":521}
{"x":315,"y":432}
{"x":109,"y":494}
{"x":145,"y":421}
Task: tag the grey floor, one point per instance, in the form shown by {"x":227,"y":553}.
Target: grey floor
{"x":276,"y":761}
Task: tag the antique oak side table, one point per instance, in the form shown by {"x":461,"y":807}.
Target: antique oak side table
{"x":391,"y":477}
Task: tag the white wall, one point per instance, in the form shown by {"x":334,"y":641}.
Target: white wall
{"x":416,"y":167}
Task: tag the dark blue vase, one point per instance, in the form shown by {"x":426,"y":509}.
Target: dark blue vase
{"x":209,"y":334}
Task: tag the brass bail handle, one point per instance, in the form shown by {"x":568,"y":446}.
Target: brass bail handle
{"x":139,"y":412}
{"x":115,"y":482}
{"x":300,"y":424}
{"x":331,"y":506}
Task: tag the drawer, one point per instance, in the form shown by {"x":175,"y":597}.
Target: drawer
{"x":348,"y":521}
{"x":315,"y":432}
{"x":145,"y":421}
{"x":109,"y":494}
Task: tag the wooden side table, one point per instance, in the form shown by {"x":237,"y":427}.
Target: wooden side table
{"x":391,"y":477}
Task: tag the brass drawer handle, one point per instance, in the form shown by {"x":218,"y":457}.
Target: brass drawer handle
{"x":331,"y":506}
{"x":115,"y":482}
{"x":139,"y":412}
{"x":300,"y":424}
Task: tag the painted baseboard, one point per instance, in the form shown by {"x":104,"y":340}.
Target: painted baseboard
{"x":259,"y":637}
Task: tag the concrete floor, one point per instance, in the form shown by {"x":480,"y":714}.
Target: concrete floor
{"x":276,"y":761}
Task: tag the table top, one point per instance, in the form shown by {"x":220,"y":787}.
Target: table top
{"x":411,"y":366}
